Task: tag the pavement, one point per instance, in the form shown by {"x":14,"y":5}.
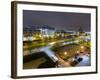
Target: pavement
{"x":85,"y":60}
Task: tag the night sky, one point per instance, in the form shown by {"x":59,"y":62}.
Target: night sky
{"x":58,"y":20}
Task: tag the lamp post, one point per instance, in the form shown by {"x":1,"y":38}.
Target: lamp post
{"x":82,"y":48}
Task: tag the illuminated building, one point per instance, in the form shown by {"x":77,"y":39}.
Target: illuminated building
{"x":47,"y":31}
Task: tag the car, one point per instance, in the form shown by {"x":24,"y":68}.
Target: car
{"x":81,"y":60}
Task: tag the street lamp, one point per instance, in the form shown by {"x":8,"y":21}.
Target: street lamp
{"x":77,"y":51}
{"x":82,"y":47}
{"x":65,"y":53}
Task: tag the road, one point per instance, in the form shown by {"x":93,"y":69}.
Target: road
{"x":55,"y":58}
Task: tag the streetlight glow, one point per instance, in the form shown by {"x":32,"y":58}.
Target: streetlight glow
{"x":65,"y":53}
{"x":52,"y":43}
{"x":77,"y":51}
{"x":82,"y":47}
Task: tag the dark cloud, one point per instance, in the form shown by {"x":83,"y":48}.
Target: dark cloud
{"x":58,"y":20}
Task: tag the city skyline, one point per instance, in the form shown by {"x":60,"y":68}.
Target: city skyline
{"x":58,"y":20}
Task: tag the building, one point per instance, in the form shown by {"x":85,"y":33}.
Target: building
{"x":38,"y":33}
{"x":61,"y":33}
{"x":71,"y":32}
{"x":47,"y":31}
{"x":27,"y":34}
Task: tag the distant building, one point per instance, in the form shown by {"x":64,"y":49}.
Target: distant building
{"x":87,"y":36}
{"x":27,"y":34}
{"x":88,"y":33}
{"x":80,"y":31}
{"x":72,"y":32}
{"x":37,"y":33}
{"x":61,"y":33}
{"x":47,"y":31}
